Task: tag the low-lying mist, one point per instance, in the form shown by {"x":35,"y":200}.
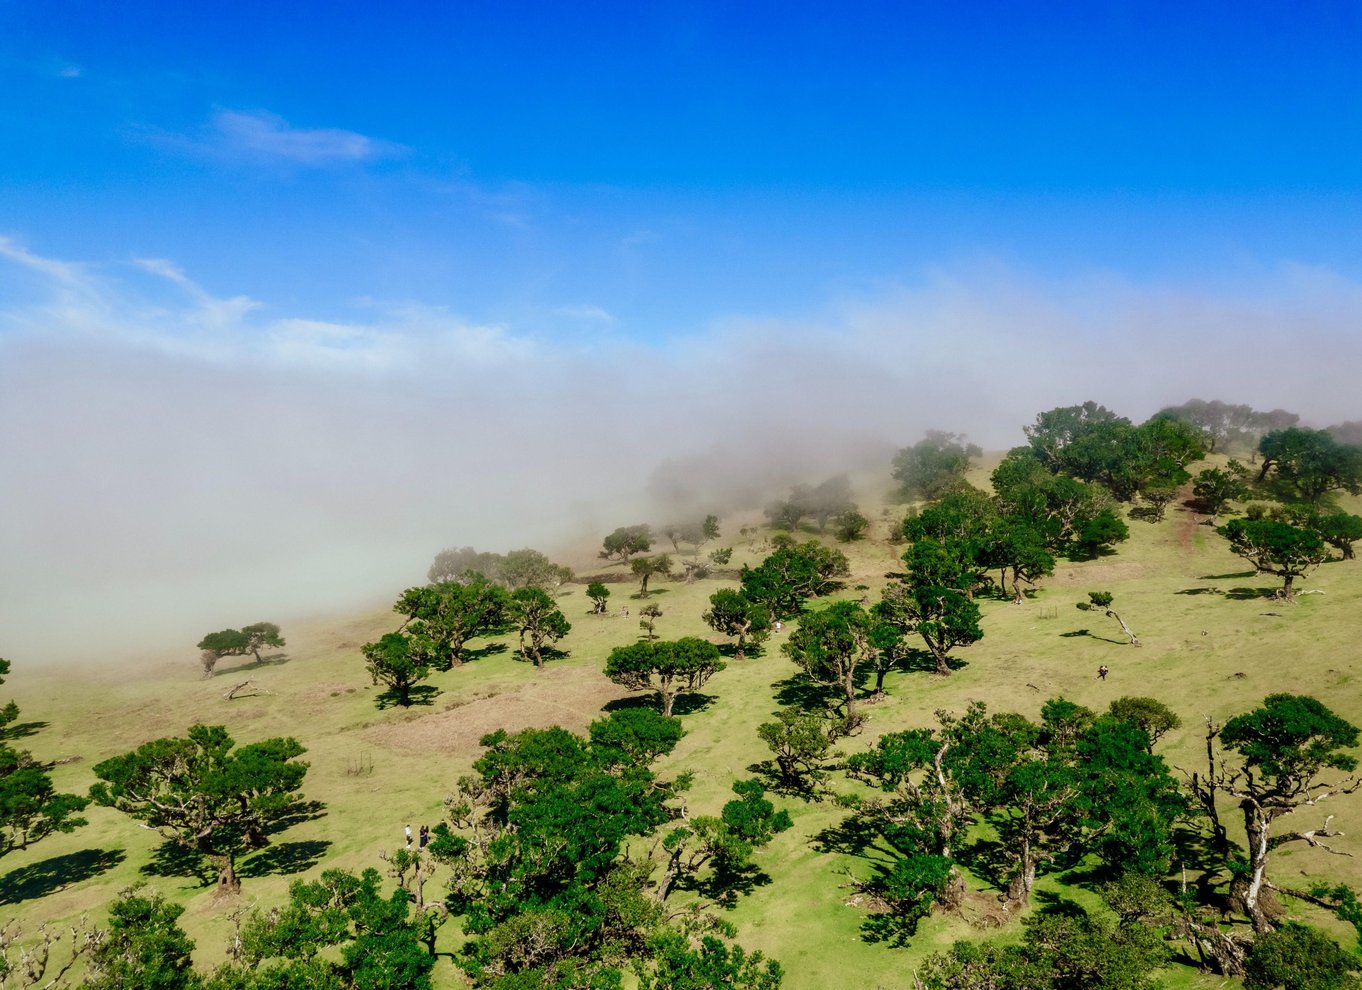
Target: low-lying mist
{"x":171,"y":468}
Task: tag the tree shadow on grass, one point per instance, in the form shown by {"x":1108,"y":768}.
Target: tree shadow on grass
{"x":171,"y":859}
{"x":1250,"y":594}
{"x":1093,"y":635}
{"x":725,"y":886}
{"x":808,"y":695}
{"x":419,"y":694}
{"x":285,"y":858}
{"x":482,"y":652}
{"x":297,"y":813}
{"x":1199,"y":591}
{"x":51,"y":875}
{"x":768,"y":775}
{"x":855,"y":835}
{"x":1227,"y":577}
{"x":639,"y":596}
{"x":686,"y":703}
{"x":266,"y":660}
{"x":22,"y":730}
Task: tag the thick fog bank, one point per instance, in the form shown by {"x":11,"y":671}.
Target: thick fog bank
{"x":167,"y":470}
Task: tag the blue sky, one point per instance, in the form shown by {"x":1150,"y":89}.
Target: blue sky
{"x":353,"y":282}
{"x":673,"y":164}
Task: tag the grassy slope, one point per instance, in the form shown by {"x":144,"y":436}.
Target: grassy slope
{"x":1205,"y":653}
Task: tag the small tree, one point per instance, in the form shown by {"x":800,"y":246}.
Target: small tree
{"x":850,"y":525}
{"x":801,"y":743}
{"x":645,"y":568}
{"x":626,"y":541}
{"x":143,"y":947}
{"x":667,"y":668}
{"x":1298,"y":957}
{"x":1283,"y":747}
{"x":649,"y":614}
{"x":937,"y":601}
{"x":933,"y":465}
{"x":1340,"y":530}
{"x":792,"y":575}
{"x":1275,"y":548}
{"x":1100,"y":601}
{"x":735,"y":615}
{"x":726,"y":842}
{"x":1215,"y":488}
{"x":449,"y":614}
{"x":30,"y":808}
{"x":598,"y":593}
{"x":1152,"y":716}
{"x":539,"y":622}
{"x":205,"y":796}
{"x":400,"y":661}
{"x":830,"y":645}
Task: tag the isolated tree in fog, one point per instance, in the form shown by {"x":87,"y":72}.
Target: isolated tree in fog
{"x":538,"y":621}
{"x":204,"y":795}
{"x":645,"y":568}
{"x":598,"y":593}
{"x":399,"y":660}
{"x":626,"y":541}
{"x":30,"y":808}
{"x":238,"y":642}
{"x":933,"y":465}
{"x":1310,"y":463}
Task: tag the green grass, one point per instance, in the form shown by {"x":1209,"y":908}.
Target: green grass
{"x":1208,"y":651}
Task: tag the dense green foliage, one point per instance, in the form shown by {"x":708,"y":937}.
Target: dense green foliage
{"x":201,"y":793}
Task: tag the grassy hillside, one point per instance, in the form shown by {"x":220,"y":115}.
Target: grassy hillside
{"x":1213,"y":646}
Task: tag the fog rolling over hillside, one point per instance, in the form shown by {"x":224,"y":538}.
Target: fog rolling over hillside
{"x":168,"y":470}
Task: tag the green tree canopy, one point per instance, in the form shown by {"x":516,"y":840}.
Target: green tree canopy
{"x":539,"y":622}
{"x":1275,"y":548}
{"x":831,"y":644}
{"x":934,"y":465}
{"x":204,"y":794}
{"x":792,"y":575}
{"x":30,"y":807}
{"x":668,"y":668}
{"x":400,"y":661}
{"x":626,"y":541}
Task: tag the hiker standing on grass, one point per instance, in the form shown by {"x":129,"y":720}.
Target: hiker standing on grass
{"x":424,"y":835}
{"x":408,"y":836}
{"x":1102,"y":672}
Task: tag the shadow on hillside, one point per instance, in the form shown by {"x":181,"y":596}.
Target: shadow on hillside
{"x":768,"y":775}
{"x":1251,"y":594}
{"x":266,"y":660}
{"x":1199,"y":591}
{"x":856,"y":835}
{"x":51,"y":875}
{"x":285,"y":858}
{"x":652,"y":593}
{"x":687,"y":703}
{"x":419,"y":694}
{"x":1092,"y":635}
{"x":21,"y":730}
{"x":808,"y":695}
{"x":482,"y":652}
{"x":297,"y":813}
{"x":725,"y":886}
{"x":1227,"y":577}
{"x":753,"y":651}
{"x":174,"y":860}
{"x":548,"y":653}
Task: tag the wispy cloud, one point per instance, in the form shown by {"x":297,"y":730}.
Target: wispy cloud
{"x":261,"y":137}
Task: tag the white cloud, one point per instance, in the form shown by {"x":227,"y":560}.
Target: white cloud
{"x":261,"y":137}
